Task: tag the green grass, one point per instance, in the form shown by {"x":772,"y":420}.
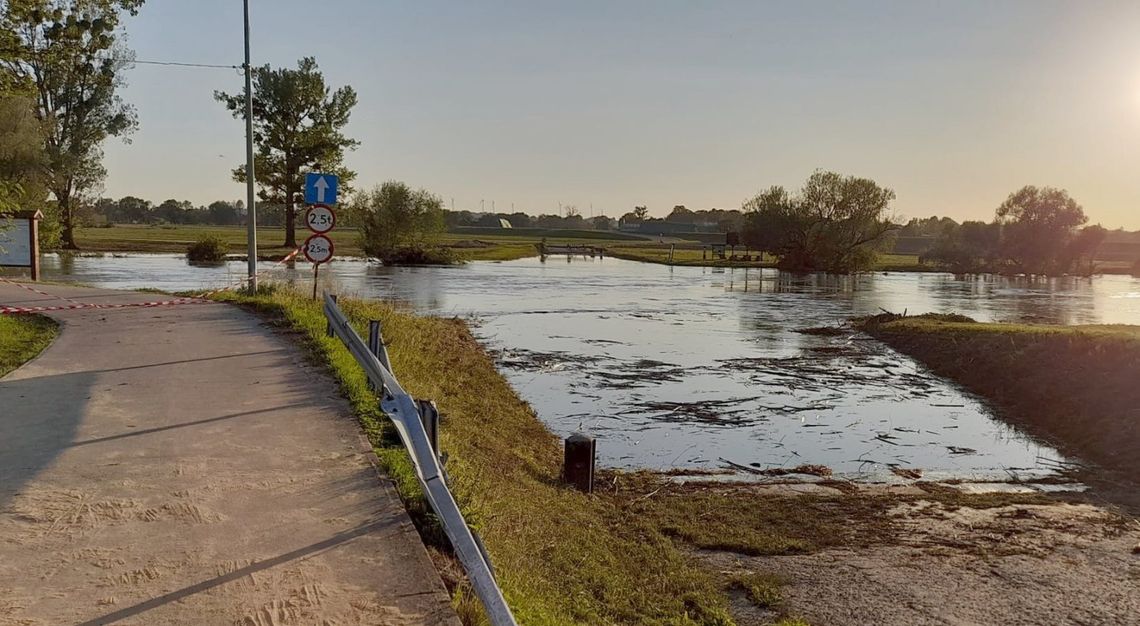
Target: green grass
{"x":1072,"y":386}
{"x":22,"y":337}
{"x":561,"y":557}
{"x":690,"y":255}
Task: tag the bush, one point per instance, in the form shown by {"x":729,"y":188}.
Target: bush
{"x":208,"y":249}
{"x":417,"y":255}
{"x":399,"y":225}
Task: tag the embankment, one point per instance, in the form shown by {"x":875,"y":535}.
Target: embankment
{"x":1076,"y":387}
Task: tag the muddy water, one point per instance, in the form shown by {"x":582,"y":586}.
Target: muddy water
{"x":690,"y":367}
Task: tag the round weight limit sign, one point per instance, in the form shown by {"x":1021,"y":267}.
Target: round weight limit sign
{"x":320,"y":218}
{"x":318,"y":249}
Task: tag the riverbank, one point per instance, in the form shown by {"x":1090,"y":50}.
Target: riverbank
{"x":689,"y":256}
{"x":1072,"y":386}
{"x":22,"y":337}
{"x":664,"y":549}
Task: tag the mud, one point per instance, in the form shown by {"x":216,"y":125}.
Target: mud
{"x":1020,"y":565}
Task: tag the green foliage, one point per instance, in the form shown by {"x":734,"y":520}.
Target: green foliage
{"x":298,"y":127}
{"x":22,"y":337}
{"x":399,"y":225}
{"x":1038,"y":227}
{"x":64,"y":53}
{"x":1035,"y":231}
{"x":207,"y":249}
{"x":834,"y":224}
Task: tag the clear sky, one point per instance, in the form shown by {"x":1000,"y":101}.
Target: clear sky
{"x":952,"y":104}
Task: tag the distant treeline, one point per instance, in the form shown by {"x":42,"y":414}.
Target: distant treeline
{"x":133,"y":210}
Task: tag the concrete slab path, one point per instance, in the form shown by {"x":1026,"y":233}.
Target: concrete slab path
{"x":183,"y":465}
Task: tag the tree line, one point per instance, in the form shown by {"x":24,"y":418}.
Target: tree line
{"x":838,"y":223}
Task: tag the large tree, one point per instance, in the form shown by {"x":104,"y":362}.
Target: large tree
{"x":298,"y":126}
{"x":64,"y":53}
{"x":835,"y":223}
{"x":1037,"y":226}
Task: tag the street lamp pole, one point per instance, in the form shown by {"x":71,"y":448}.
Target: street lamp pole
{"x":250,"y":197}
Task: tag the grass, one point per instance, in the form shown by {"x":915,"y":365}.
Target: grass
{"x":562,"y":557}
{"x":1072,"y":386}
{"x":22,"y":337}
{"x":689,"y":255}
{"x":496,"y":245}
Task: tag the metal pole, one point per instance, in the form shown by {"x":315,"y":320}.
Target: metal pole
{"x":250,"y":197}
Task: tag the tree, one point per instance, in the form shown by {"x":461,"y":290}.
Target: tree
{"x":835,"y":223}
{"x":681,"y":215}
{"x":1038,"y":225}
{"x":601,"y":222}
{"x":969,"y":248}
{"x":1083,"y":247}
{"x":641,"y":213}
{"x":298,"y":127}
{"x":399,"y":225}
{"x":64,"y":53}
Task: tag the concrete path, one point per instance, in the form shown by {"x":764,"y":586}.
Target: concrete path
{"x":183,"y":465}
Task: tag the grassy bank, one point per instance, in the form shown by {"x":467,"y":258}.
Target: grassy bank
{"x":22,"y":337}
{"x":688,"y":256}
{"x":1073,"y":386}
{"x":172,"y":239}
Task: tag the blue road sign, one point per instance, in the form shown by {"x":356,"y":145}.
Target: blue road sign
{"x":320,"y":188}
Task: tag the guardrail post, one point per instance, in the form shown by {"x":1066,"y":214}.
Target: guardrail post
{"x":328,"y":325}
{"x":376,"y":343}
{"x":429,"y":415}
{"x":578,"y":464}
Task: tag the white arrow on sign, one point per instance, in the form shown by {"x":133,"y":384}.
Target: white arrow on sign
{"x":321,"y":186}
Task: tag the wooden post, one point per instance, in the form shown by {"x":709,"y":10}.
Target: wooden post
{"x":578,"y":463}
{"x":672,"y":247}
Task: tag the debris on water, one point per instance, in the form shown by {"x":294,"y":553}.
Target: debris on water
{"x":713,"y":411}
{"x":885,"y":438}
{"x":906,"y":472}
{"x":822,"y":471}
{"x":825,"y":331}
{"x":961,"y":450}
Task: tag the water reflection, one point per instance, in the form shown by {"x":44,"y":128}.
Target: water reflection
{"x":684,"y":367}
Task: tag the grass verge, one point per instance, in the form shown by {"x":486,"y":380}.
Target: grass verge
{"x":22,"y":337}
{"x":562,"y":557}
{"x":1073,"y":386}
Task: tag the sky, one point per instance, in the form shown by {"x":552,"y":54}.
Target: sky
{"x":607,"y":105}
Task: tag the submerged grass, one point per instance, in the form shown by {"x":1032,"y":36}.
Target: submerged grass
{"x":561,"y":557}
{"x":22,"y":337}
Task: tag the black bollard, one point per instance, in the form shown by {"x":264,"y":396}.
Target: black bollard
{"x":578,"y":466}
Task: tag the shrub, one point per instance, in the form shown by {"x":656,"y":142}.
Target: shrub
{"x":208,"y":249}
{"x":399,"y":225}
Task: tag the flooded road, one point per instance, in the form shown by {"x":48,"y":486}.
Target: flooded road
{"x":693,"y":367}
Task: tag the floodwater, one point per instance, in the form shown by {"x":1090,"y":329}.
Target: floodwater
{"x":695,"y":367}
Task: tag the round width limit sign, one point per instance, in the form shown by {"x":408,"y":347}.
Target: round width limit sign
{"x":318,"y":249}
{"x":320,"y":218}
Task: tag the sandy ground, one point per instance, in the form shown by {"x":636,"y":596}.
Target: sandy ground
{"x":1072,"y":564}
{"x":182,"y":465}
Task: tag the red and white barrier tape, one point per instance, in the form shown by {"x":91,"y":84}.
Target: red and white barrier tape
{"x":12,"y":310}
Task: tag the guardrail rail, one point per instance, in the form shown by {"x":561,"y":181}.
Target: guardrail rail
{"x":405,"y":414}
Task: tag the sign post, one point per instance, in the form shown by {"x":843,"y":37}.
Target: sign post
{"x":320,"y":218}
{"x":20,"y":241}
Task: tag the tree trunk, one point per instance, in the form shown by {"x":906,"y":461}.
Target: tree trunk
{"x":67,"y":221}
{"x":290,"y":222}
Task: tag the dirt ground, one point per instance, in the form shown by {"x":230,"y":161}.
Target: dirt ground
{"x":1061,"y":563}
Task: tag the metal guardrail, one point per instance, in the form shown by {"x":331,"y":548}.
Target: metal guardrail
{"x":404,"y":412}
